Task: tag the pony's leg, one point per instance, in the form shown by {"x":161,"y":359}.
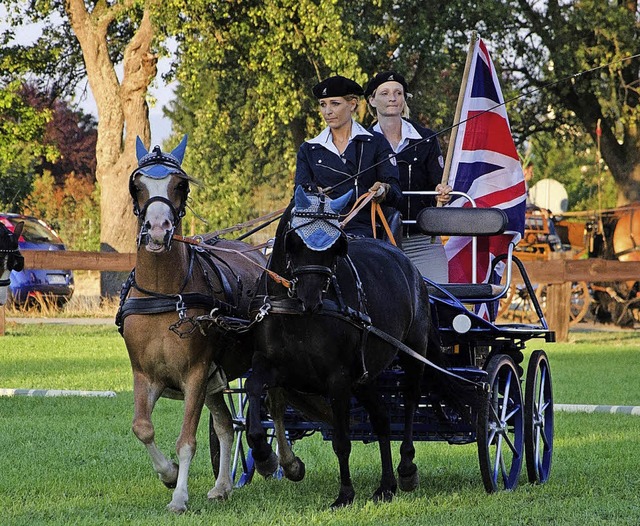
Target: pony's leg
{"x":266,"y":460}
{"x":408,"y":477}
{"x":223,"y":426}
{"x":145,"y":397}
{"x":371,"y":400}
{"x":342,"y":445}
{"x":194,"y":395}
{"x":292,"y":466}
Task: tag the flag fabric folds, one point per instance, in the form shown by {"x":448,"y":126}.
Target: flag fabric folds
{"x":484,"y":164}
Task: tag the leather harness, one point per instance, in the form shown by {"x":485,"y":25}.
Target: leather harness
{"x":156,"y":302}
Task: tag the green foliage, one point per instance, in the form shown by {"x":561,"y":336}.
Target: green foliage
{"x":245,"y":70}
{"x":574,"y":162}
{"x":21,"y":145}
{"x":245,"y":101}
{"x":53,"y":61}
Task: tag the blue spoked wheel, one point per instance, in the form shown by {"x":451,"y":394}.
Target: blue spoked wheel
{"x":538,"y":418}
{"x":500,"y":427}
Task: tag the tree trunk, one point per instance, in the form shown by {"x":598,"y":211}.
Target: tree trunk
{"x":123,"y":114}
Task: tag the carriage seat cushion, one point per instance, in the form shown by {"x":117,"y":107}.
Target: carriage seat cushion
{"x":468,"y":291}
{"x":451,"y":221}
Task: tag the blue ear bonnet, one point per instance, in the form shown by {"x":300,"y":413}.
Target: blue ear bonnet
{"x":316,"y":219}
{"x":158,"y":164}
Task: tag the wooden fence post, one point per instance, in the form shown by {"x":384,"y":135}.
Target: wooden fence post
{"x":558,"y":309}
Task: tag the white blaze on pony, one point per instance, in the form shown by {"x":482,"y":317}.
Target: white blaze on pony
{"x":164,"y":197}
{"x":158,"y":214}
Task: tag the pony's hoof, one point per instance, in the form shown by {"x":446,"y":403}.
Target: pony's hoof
{"x":171,"y":479}
{"x":295,"y":471}
{"x":345,"y":498}
{"x":219,"y":493}
{"x":177,"y":508}
{"x":383,"y":495}
{"x":267,"y":467}
{"x":408,"y":481}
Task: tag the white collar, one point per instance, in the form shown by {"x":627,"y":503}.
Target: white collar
{"x":324,"y":138}
{"x":407,"y":131}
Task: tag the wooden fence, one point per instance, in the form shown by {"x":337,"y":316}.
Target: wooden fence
{"x":557,"y":274}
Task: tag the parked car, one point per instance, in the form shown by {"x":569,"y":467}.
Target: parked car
{"x":28,"y":285}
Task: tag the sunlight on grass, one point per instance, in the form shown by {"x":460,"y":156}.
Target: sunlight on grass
{"x":76,"y":461}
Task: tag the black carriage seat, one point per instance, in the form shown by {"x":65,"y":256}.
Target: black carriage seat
{"x":474,"y":222}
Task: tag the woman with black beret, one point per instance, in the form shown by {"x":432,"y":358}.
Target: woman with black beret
{"x":420,"y":166}
{"x":345,"y":156}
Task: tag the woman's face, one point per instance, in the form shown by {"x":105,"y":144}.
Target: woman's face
{"x":337,"y":111}
{"x":388,"y":99}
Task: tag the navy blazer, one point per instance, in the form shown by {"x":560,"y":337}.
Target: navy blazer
{"x":369,"y":156}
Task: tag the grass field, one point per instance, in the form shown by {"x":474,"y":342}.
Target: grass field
{"x":75,"y":461}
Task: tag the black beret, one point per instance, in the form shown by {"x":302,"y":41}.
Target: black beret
{"x":336,"y":86}
{"x":381,"y":78}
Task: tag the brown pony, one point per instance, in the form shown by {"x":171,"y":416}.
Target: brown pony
{"x":10,"y":257}
{"x":171,"y":285}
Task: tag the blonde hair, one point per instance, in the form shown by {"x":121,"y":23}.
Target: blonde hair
{"x":405,"y":109}
{"x":351,"y":97}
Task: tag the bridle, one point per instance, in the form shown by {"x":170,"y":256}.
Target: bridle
{"x":158,"y":158}
{"x":330,"y":219}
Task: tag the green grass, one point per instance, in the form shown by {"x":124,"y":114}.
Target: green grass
{"x":75,"y":461}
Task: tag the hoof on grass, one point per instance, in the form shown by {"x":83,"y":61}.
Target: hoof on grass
{"x":295,"y":471}
{"x":267,"y":467}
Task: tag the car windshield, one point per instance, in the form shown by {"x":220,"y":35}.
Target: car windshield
{"x":36,"y":232}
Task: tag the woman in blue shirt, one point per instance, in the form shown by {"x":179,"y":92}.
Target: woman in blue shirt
{"x":345,"y":156}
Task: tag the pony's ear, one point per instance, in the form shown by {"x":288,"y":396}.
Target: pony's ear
{"x":178,"y":151}
{"x":301,"y":199}
{"x":17,"y":231}
{"x":141,"y":151}
{"x":338,"y":204}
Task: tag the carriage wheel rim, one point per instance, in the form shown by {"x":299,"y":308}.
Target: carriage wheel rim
{"x":538,"y":419}
{"x":500,"y":427}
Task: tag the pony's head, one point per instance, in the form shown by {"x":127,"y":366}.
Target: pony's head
{"x":10,"y":257}
{"x":159,"y":188}
{"x":314,"y":242}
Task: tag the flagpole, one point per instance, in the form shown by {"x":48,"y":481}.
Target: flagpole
{"x":456,"y":118}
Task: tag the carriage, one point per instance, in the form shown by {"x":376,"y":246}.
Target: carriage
{"x":391,"y":325}
{"x":483,"y":392}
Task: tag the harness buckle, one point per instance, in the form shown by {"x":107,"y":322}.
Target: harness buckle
{"x":181,"y":308}
{"x":263,"y":311}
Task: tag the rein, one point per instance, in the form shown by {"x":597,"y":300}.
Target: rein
{"x":362,"y":322}
{"x":376,"y":209}
{"x":251,"y":222}
{"x":199,"y":243}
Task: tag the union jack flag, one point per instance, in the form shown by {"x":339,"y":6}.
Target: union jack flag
{"x":485,"y":164}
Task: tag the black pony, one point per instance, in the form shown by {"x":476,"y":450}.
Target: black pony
{"x":319,"y":336}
